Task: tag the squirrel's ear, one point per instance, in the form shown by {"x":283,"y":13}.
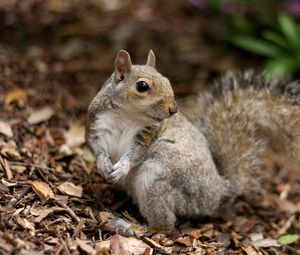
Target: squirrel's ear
{"x":151,"y":59}
{"x":122,"y":64}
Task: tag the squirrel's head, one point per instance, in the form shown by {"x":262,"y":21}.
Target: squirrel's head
{"x":141,"y":90}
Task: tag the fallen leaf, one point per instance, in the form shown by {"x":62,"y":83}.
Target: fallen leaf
{"x":119,"y":246}
{"x":42,"y":213}
{"x":184,"y":241}
{"x":51,"y":240}
{"x":249,"y":250}
{"x":133,"y":246}
{"x":10,"y":150}
{"x":192,"y":232}
{"x":17,"y":95}
{"x":158,"y":237}
{"x":5,"y":129}
{"x":256,"y":237}
{"x":41,"y":115}
{"x":24,"y":223}
{"x":264,"y":243}
{"x":85,"y":247}
{"x":288,"y":239}
{"x":287,"y":206}
{"x":70,"y":189}
{"x":156,"y":245}
{"x":19,"y":169}
{"x":75,"y":136}
{"x":43,"y":191}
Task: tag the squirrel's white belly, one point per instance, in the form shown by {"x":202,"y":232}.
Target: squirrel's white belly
{"x":117,"y":133}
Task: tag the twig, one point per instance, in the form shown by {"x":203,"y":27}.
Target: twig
{"x":64,"y":244}
{"x":78,"y":228}
{"x":286,"y":226}
{"x":31,"y":165}
{"x":69,"y":210}
{"x":16,"y":199}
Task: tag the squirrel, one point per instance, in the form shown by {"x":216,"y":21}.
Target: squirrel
{"x":173,"y":166}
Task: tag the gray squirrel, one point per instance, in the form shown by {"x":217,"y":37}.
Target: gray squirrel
{"x":172,"y":166}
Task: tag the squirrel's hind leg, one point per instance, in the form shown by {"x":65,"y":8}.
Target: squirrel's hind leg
{"x":155,"y":197}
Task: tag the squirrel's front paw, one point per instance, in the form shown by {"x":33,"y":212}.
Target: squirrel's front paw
{"x":119,"y":170}
{"x":104,"y":167}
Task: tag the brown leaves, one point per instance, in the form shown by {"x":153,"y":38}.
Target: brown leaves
{"x":75,"y":135}
{"x":70,"y":189}
{"x":9,"y":150}
{"x":119,"y":245}
{"x":85,"y":247}
{"x":41,"y":213}
{"x":25,"y":224}
{"x":40,"y":115}
{"x":45,"y":89}
{"x":5,"y":129}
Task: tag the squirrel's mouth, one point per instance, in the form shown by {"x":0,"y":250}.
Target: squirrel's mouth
{"x":156,"y":118}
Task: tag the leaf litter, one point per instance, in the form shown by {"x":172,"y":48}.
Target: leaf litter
{"x":52,"y":201}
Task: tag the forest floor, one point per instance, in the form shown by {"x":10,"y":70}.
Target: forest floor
{"x":52,"y":201}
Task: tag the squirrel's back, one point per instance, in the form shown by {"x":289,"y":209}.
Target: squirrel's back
{"x":242,"y":114}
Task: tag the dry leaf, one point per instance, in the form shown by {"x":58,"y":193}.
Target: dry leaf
{"x":119,"y":246}
{"x":41,"y":115}
{"x":134,"y":246}
{"x":70,"y":189}
{"x":5,"y":129}
{"x":24,"y":223}
{"x":42,"y":213}
{"x":19,"y":169}
{"x":157,"y":245}
{"x":287,"y":206}
{"x":75,"y":136}
{"x":10,"y":150}
{"x":192,"y":232}
{"x":184,"y":241}
{"x":17,"y":95}
{"x":264,"y":243}
{"x":42,"y":190}
{"x":85,"y":247}
{"x":249,"y":250}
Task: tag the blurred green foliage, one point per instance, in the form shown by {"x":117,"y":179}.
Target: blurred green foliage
{"x":264,"y":28}
{"x":279,"y":44}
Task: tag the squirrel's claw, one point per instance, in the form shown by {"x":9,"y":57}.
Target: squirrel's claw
{"x":119,"y":170}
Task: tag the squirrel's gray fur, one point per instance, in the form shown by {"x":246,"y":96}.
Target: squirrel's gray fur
{"x":175,"y":167}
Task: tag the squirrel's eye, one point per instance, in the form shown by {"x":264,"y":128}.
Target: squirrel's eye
{"x":142,"y":86}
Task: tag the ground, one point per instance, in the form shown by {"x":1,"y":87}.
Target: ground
{"x":54,"y":56}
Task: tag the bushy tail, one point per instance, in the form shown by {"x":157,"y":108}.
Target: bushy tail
{"x":242,"y":114}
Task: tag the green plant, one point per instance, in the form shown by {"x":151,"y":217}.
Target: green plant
{"x":288,"y":239}
{"x":281,"y":47}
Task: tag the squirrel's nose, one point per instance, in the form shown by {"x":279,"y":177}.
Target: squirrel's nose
{"x":173,"y":109}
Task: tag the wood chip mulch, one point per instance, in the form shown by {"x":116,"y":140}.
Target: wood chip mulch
{"x":52,"y":201}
